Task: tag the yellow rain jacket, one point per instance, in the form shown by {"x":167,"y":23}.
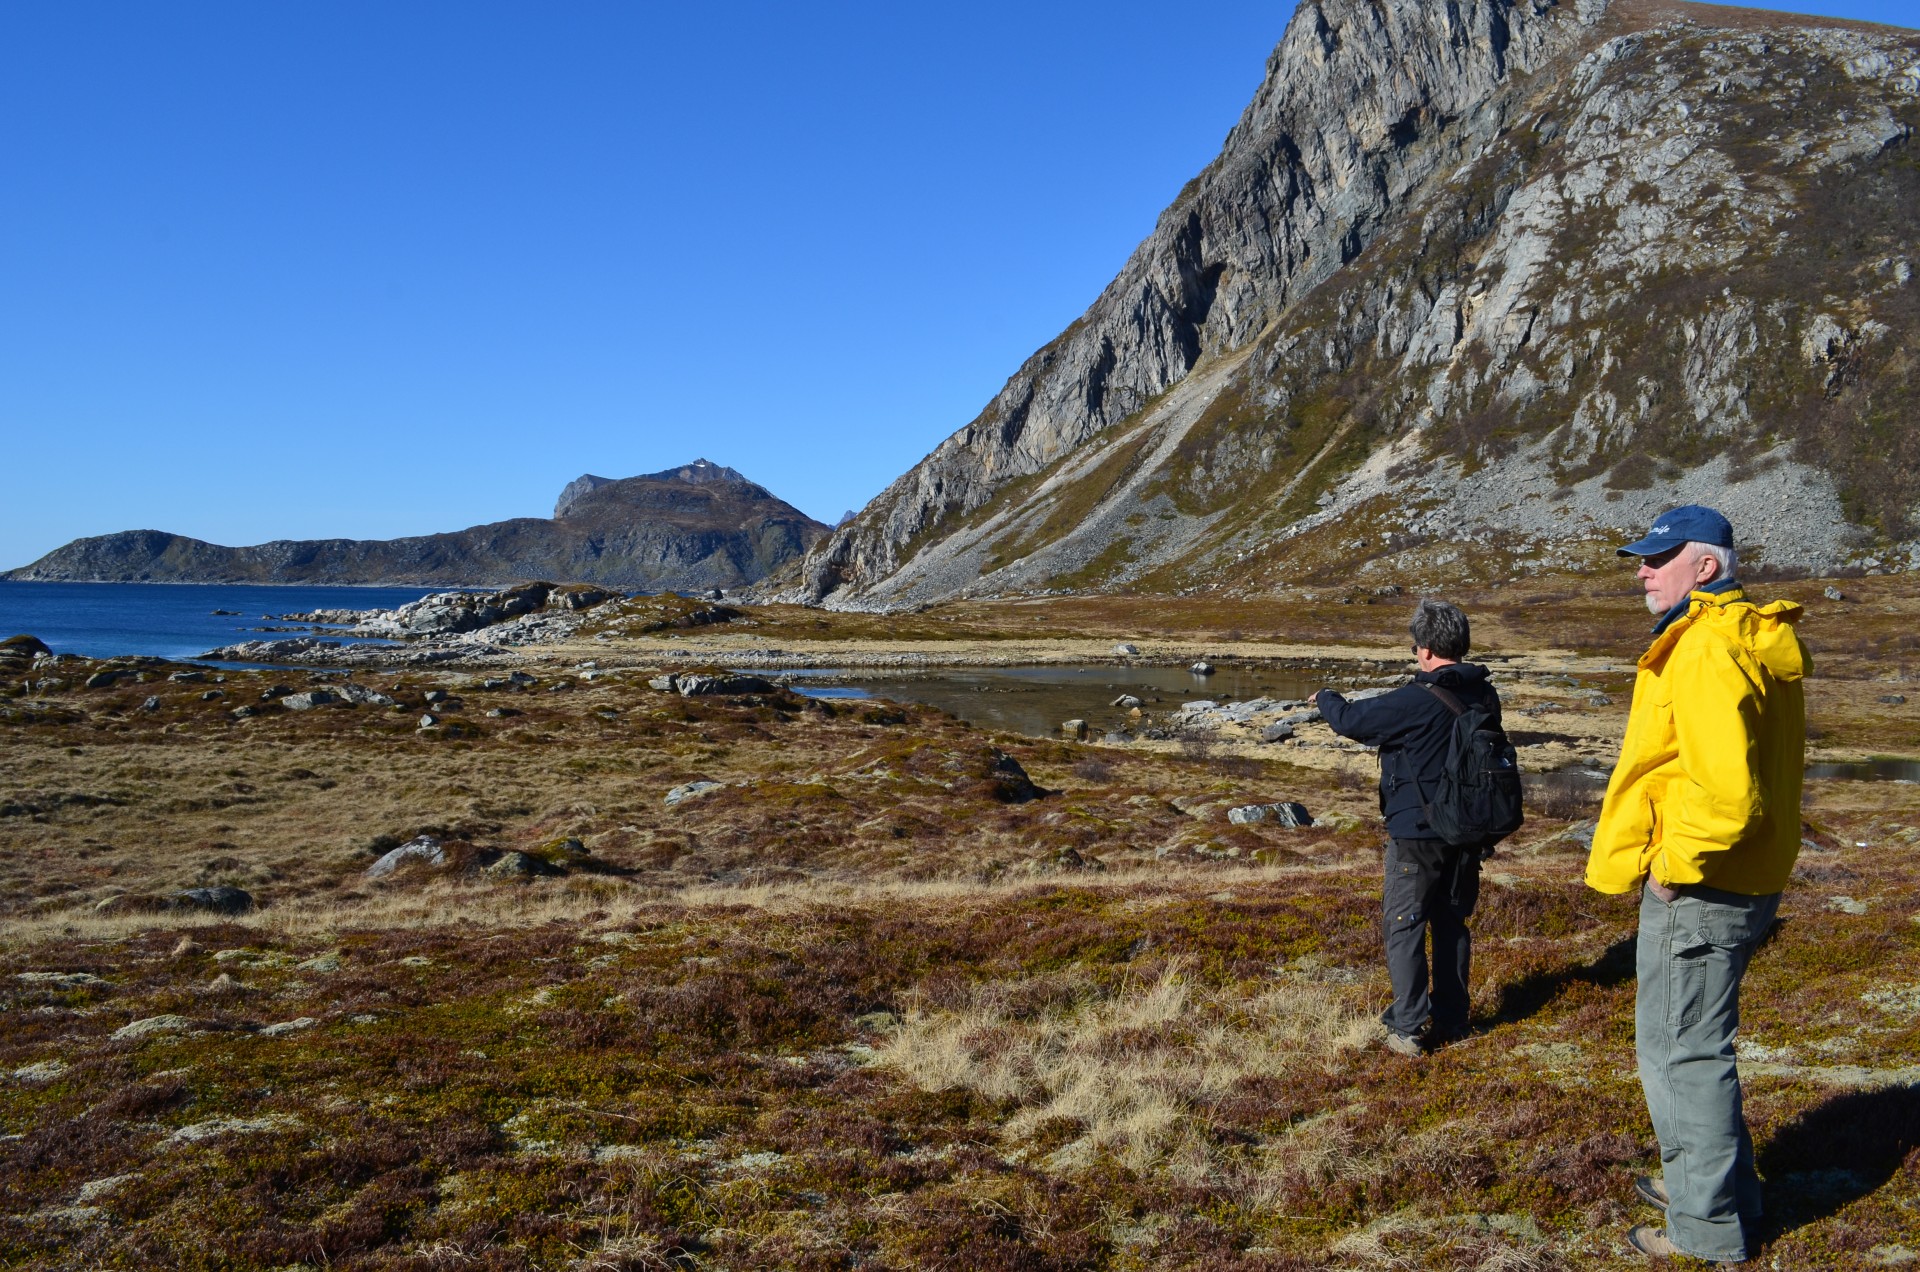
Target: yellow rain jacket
{"x":1707,"y":789}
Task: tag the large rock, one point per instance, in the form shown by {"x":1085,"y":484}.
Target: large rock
{"x":18,"y":652}
{"x":312,"y":698}
{"x":692,"y":684}
{"x":692,"y":790}
{"x":222,"y":899}
{"x":1288,"y":814}
{"x":425,"y":850}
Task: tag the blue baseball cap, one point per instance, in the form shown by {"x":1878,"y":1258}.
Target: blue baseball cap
{"x":1694,"y":523}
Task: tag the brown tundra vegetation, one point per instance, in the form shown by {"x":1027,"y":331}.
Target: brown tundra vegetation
{"x":897,"y":992}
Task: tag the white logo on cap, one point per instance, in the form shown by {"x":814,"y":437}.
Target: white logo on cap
{"x":1659,"y":530}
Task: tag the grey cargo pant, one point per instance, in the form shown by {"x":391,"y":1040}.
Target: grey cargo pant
{"x":1430,"y":886}
{"x":1692,"y":954}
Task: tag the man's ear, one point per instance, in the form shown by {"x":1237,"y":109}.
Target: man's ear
{"x":1706,"y":568}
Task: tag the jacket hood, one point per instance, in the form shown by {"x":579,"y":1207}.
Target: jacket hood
{"x":1764,"y":631}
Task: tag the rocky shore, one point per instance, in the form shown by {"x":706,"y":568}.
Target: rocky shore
{"x":467,"y":628}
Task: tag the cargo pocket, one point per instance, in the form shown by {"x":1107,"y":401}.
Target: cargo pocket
{"x":1687,"y":979}
{"x":1405,"y":894}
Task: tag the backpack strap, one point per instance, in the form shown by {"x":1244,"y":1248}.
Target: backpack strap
{"x":1446,"y":697}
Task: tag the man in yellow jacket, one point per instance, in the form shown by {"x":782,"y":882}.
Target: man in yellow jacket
{"x":1703,"y":810}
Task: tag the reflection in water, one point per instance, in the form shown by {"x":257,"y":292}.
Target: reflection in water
{"x":1035,"y":700}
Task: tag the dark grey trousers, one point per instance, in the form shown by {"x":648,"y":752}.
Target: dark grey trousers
{"x":1693,"y":953}
{"x":1431,"y":886}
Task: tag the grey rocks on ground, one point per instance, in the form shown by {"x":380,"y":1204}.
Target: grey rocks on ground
{"x":692,"y":790}
{"x":1288,"y":814}
{"x":691,"y":684}
{"x":425,"y":850}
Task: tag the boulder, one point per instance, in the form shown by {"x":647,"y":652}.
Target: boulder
{"x":1894,"y":699}
{"x":150,"y":1026}
{"x":425,"y":849}
{"x":689,"y":685}
{"x":429,"y":720}
{"x":1125,"y":650}
{"x":1127,"y":702}
{"x":244,"y":713}
{"x":437,"y":695}
{"x":1279,"y":732}
{"x":502,"y":713}
{"x":1833,"y":593}
{"x":107,"y":679}
{"x":23,"y":648}
{"x":1009,"y":782}
{"x":520,"y":865}
{"x":692,"y":790}
{"x":151,"y":705}
{"x":1288,"y":814}
{"x":1202,"y":668}
{"x":221,"y":899}
{"x":286,"y":1027}
{"x":310,"y":699}
{"x":188,"y":677}
{"x":581,"y":598}
{"x":1075,"y":730}
{"x":361,"y":696}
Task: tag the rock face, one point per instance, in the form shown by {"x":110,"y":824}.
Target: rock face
{"x":1470,"y":287}
{"x":686,"y":529}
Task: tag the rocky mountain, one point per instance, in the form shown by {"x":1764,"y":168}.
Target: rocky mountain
{"x":1470,"y":289}
{"x":701,"y":526}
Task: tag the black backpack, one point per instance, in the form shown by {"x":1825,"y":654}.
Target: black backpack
{"x":1478,"y":798}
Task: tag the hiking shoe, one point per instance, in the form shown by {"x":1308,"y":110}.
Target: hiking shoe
{"x":1405,"y":1045}
{"x":1649,"y":1240}
{"x":1650,"y":1190}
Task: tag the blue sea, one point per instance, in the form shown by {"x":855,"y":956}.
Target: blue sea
{"x":172,"y":620}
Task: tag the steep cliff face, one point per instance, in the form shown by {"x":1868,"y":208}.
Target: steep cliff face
{"x":701,"y":526}
{"x":1455,"y":253}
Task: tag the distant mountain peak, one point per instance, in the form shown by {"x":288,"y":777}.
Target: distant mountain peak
{"x":700,"y":472}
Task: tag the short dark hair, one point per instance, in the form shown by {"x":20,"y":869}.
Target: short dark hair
{"x":1442,"y":628}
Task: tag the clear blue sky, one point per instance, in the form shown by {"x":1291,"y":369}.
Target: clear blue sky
{"x":297,"y":270}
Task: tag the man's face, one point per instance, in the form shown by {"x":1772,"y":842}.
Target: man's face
{"x":1668,"y":576}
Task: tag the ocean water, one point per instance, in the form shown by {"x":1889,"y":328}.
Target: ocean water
{"x":172,"y":620}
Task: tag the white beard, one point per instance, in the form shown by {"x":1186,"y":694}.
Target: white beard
{"x":1655,"y":608}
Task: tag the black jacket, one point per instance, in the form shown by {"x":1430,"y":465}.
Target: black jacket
{"x":1412,"y":728}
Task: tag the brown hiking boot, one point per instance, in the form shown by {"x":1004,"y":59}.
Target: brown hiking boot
{"x":1649,"y":1240}
{"x":1650,"y":1190}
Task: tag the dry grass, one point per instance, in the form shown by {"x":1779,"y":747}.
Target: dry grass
{"x":1127,"y":1068}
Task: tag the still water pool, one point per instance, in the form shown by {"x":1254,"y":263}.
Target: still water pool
{"x":1034,"y":700}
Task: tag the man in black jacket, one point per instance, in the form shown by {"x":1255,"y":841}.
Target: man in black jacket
{"x":1429,"y":882}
